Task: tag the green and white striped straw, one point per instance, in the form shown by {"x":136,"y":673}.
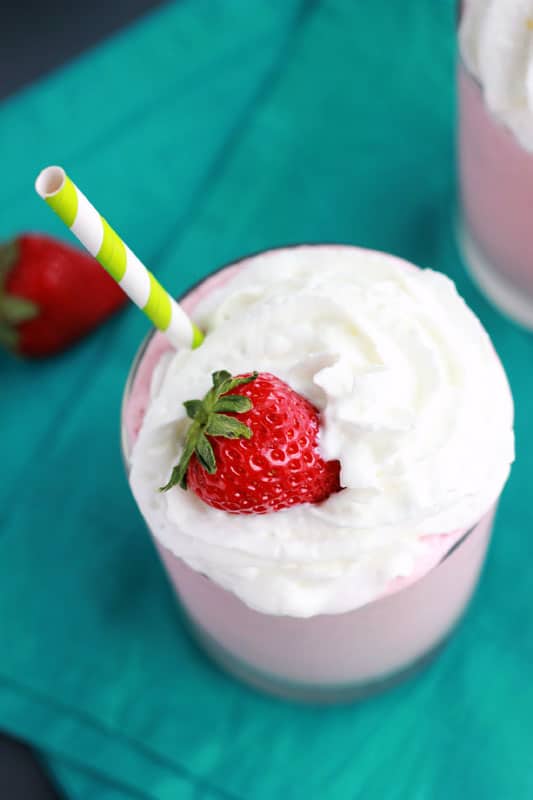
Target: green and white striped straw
{"x":102,"y":242}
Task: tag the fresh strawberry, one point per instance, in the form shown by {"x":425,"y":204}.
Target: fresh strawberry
{"x":51,"y":295}
{"x":252,"y":447}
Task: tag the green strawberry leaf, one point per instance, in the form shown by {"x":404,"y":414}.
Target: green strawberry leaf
{"x":9,"y":255}
{"x":234,"y":382}
{"x":207,"y":420}
{"x":179,"y":472}
{"x":205,"y":454}
{"x":15,"y":310}
{"x":233,"y":402}
{"x":220,"y":377}
{"x":193,"y":407}
{"x":229,"y":427}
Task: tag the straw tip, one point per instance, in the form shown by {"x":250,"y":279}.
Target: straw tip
{"x":50,"y":181}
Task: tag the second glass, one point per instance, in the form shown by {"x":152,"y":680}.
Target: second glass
{"x":496,"y":182}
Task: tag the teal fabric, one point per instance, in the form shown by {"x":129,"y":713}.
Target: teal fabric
{"x":211,"y":129}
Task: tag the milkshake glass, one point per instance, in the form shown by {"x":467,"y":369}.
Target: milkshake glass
{"x":331,"y":655}
{"x":495,"y":149}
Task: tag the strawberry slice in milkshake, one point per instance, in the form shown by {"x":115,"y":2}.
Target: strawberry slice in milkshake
{"x":320,"y":475}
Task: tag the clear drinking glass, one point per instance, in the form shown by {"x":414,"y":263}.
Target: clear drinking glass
{"x":328,"y":657}
{"x":496,"y":220}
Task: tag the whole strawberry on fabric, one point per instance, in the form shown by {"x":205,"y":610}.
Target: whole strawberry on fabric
{"x":51,"y":295}
{"x":252,"y":447}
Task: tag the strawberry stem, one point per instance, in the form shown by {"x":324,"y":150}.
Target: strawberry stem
{"x":208,"y":420}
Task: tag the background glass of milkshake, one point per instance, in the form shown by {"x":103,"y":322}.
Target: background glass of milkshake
{"x":495,"y":95}
{"x":334,"y":601}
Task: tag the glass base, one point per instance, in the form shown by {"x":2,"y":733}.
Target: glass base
{"x":504,"y":295}
{"x":300,"y":692}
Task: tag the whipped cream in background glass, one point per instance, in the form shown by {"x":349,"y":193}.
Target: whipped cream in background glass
{"x":415,"y":405}
{"x":495,"y":86}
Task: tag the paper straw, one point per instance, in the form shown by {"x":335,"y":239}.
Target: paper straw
{"x":102,"y":242}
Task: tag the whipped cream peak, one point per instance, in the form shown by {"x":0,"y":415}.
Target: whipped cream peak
{"x":414,"y":404}
{"x":496,"y":43}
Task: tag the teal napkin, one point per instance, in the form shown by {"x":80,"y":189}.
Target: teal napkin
{"x":209,"y":130}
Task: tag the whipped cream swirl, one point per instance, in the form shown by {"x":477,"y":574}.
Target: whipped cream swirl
{"x":496,"y":42}
{"x":414,"y":404}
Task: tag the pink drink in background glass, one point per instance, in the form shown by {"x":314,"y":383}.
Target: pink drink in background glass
{"x":327,"y":657}
{"x":496,"y":181}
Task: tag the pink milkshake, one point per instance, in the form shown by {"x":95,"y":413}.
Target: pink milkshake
{"x":307,"y":603}
{"x":496,"y":152}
